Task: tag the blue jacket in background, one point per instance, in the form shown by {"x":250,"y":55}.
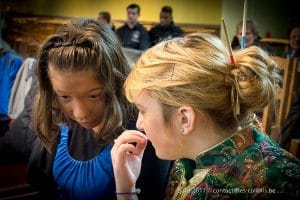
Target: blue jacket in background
{"x":10,"y":64}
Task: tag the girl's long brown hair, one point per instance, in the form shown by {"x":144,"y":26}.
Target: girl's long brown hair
{"x":77,"y":46}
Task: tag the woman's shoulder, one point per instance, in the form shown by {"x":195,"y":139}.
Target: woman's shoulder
{"x":270,"y":166}
{"x":262,"y":164}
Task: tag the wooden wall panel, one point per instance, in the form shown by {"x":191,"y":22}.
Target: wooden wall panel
{"x":26,"y":34}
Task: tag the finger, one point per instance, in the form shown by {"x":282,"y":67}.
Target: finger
{"x":129,"y":149}
{"x":133,"y":133}
{"x":135,"y":146}
{"x":128,"y":137}
{"x":132,"y":137}
{"x":121,"y":150}
{"x":143,"y":142}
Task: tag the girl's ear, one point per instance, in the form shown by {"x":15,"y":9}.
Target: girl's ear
{"x":187,"y":119}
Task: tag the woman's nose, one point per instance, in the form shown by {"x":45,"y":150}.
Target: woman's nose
{"x":140,"y":123}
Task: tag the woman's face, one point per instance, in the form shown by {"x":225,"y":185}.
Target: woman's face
{"x":250,"y":36}
{"x":151,"y":121}
{"x":80,"y":96}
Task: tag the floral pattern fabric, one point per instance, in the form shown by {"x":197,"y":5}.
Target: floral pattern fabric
{"x":248,"y":165}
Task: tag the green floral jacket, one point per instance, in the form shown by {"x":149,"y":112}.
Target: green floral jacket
{"x":248,"y":165}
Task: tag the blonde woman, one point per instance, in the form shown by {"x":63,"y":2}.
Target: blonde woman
{"x":197,"y":108}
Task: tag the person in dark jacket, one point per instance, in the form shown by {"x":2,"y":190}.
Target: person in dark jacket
{"x":294,"y":42}
{"x":132,"y":34}
{"x":166,"y":29}
{"x":78,"y":109}
{"x":291,"y":126}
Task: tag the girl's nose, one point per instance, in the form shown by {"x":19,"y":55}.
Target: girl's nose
{"x":80,"y":112}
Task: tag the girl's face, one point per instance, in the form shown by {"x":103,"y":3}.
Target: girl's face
{"x":80,"y":96}
{"x":150,"y":120}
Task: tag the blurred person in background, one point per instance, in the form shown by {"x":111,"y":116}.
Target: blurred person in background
{"x":104,"y":17}
{"x":132,"y":34}
{"x":166,"y":29}
{"x":252,"y":36}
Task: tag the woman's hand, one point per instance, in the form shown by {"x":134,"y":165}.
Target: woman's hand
{"x":127,"y":154}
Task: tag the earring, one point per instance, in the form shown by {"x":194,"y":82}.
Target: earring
{"x":181,"y":130}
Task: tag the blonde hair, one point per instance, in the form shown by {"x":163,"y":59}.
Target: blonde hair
{"x":78,"y":46}
{"x":196,"y":71}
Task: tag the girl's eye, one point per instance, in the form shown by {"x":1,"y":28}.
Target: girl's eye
{"x":96,"y":96}
{"x":64,"y":97}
